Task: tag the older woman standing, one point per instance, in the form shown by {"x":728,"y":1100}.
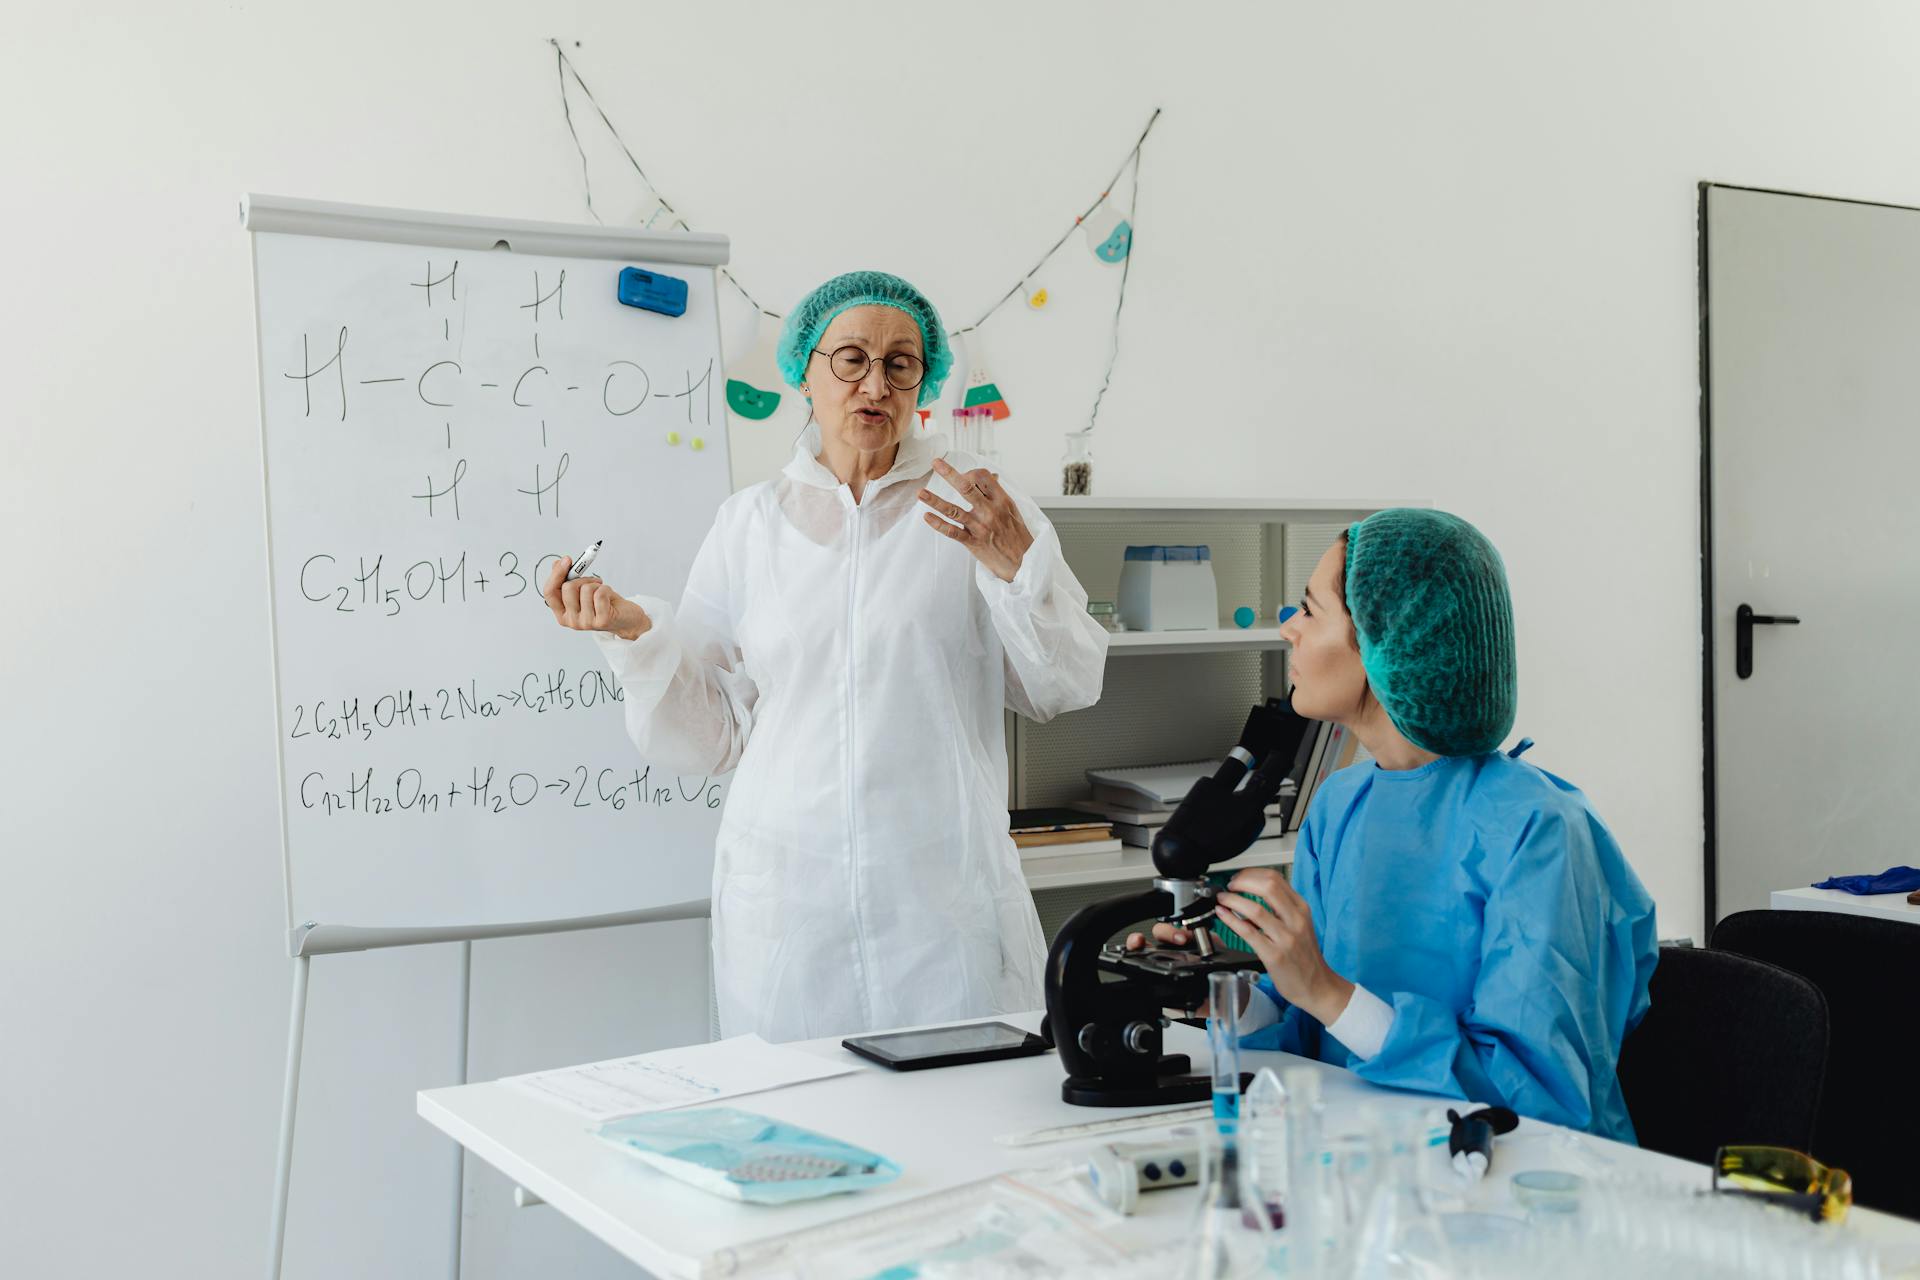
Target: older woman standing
{"x":848,"y":638}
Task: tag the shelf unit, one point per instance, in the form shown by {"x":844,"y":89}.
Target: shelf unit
{"x":1227,"y":639}
{"x":1169,"y":695}
{"x":1103,"y":510}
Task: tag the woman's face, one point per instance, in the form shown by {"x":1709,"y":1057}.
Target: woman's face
{"x":1329,"y":682}
{"x":871,"y":414}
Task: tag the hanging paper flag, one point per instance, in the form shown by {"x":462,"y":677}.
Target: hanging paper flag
{"x":970,"y":368}
{"x":1109,"y":235}
{"x":1037,"y":299}
{"x":984,"y":393}
{"x":750,"y":401}
{"x":749,"y":353}
{"x":987,"y":396}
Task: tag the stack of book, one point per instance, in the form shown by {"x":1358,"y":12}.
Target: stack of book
{"x":1040,"y":833}
{"x":1138,"y":801}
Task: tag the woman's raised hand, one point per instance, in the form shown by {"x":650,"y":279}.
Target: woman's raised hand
{"x":989,"y":525}
{"x":588,"y":604}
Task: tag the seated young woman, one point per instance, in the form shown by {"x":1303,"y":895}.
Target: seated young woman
{"x":1459,"y":921}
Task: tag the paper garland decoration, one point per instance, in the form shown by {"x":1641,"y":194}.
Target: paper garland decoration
{"x":754,"y":389}
{"x":1109,"y":234}
{"x":982,"y":392}
{"x":749,"y":368}
{"x":750,"y":401}
{"x":987,"y":396}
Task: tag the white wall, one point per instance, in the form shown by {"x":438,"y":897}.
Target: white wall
{"x":1442,"y":251}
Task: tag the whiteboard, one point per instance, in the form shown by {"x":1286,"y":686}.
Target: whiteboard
{"x":448,"y":404}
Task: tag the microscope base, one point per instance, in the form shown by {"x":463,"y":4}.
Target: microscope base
{"x":1092,"y":1091}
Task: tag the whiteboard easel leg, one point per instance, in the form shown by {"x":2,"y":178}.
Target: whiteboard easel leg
{"x":289,"y":1103}
{"x":460,"y":1152}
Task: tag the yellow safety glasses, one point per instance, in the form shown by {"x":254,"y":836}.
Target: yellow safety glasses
{"x":1782,"y":1176}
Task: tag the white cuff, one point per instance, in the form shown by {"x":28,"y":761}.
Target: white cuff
{"x":639,"y":659}
{"x":1261,"y":1011}
{"x":1364,"y":1025}
{"x":1031,"y":581}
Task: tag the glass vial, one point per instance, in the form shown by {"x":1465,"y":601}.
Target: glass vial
{"x":1076,"y":469}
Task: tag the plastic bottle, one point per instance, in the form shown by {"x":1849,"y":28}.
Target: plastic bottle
{"x":1401,"y":1236}
{"x":1307,"y":1223}
{"x":1225,"y":1241}
{"x":1263,"y":1145}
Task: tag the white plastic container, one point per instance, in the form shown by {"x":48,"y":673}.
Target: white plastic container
{"x":1168,"y":589}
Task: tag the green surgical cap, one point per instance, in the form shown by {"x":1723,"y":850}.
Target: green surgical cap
{"x":800,"y":333}
{"x":1428,"y":596}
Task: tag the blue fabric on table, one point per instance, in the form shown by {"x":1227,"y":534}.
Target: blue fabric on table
{"x":1892,"y":880}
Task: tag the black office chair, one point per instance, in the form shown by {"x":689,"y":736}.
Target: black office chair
{"x":1868,"y":970}
{"x":1731,"y":1051}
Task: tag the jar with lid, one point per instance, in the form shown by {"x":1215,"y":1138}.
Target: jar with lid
{"x":1076,"y":469}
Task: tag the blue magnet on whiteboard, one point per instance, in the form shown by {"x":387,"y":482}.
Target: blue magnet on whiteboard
{"x":1286,"y":611}
{"x":651,"y":291}
{"x":1243,"y":617}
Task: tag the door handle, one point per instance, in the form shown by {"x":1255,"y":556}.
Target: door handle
{"x":1744,"y":621}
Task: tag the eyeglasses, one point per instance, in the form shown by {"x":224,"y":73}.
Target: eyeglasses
{"x":1782,"y":1176}
{"x":849,"y":364}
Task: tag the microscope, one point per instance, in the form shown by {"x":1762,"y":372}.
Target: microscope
{"x":1104,"y":1003}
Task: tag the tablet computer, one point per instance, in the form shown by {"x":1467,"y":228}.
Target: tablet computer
{"x":947,"y":1046}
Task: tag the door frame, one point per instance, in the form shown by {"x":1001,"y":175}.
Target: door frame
{"x":1708,"y":769}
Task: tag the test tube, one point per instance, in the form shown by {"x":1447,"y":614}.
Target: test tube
{"x":1226,"y":991}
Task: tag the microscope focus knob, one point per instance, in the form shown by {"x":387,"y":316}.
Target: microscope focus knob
{"x":1139,"y":1037}
{"x":1092,"y":1039}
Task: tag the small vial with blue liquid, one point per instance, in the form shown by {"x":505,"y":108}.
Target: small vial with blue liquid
{"x":1226,"y":993}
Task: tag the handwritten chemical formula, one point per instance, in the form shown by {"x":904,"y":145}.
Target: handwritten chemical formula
{"x":533,"y":396}
{"x":441,"y":426}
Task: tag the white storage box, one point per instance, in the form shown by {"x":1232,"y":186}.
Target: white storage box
{"x":1168,"y":589}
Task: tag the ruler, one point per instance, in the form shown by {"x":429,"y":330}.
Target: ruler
{"x":1114,"y":1124}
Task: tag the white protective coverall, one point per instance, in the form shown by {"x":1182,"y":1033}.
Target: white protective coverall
{"x":852,"y":664}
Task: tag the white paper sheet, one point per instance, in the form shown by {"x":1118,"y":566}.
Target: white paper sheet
{"x":677,"y":1077}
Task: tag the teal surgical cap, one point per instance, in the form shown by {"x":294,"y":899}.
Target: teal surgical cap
{"x":1428,"y":596}
{"x":800,"y":334}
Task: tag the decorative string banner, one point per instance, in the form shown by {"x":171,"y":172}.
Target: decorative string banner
{"x":1108,"y":232}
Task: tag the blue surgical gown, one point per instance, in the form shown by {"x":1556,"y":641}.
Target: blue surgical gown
{"x":1486,"y":902}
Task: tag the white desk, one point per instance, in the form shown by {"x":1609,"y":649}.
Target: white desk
{"x":1885,"y":906}
{"x":939,"y":1125}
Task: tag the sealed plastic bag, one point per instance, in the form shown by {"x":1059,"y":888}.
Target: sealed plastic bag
{"x":744,"y":1156}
